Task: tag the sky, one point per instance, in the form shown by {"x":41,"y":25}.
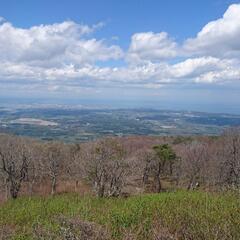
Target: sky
{"x":147,"y":53}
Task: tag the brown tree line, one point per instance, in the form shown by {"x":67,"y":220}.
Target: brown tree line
{"x":112,"y":167}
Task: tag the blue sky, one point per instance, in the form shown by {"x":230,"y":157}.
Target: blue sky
{"x":181,"y":19}
{"x":173,"y":54}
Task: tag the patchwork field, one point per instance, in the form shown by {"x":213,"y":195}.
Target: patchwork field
{"x":71,"y":124}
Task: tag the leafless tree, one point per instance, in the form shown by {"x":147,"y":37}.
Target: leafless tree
{"x":106,"y":167}
{"x":14,"y":162}
{"x":53,"y":162}
{"x":230,"y":157}
{"x":194,"y":162}
{"x":147,"y":157}
{"x":35,"y":170}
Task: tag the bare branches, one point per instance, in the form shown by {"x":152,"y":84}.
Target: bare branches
{"x":230,"y":161}
{"x":53,"y":159}
{"x":14,"y":163}
{"x":107,"y":168}
{"x":113,"y":165}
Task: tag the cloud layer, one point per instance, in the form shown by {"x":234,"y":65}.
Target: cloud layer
{"x":218,"y":38}
{"x":67,"y":56}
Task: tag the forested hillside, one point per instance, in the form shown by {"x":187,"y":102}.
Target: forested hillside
{"x":119,"y":166}
{"x":121,"y":188}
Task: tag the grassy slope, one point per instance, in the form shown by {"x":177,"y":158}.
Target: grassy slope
{"x":190,"y":215}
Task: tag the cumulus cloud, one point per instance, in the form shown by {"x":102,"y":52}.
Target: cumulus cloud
{"x":149,"y":46}
{"x":194,"y":67}
{"x":53,"y":45}
{"x":219,"y":38}
{"x":67,"y":56}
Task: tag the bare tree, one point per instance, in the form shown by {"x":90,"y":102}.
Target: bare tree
{"x":230,"y":157}
{"x":106,"y":167}
{"x":148,"y":158}
{"x":14,"y":163}
{"x":194,"y":162}
{"x":76,"y":158}
{"x":53,"y":162}
{"x":35,"y":169}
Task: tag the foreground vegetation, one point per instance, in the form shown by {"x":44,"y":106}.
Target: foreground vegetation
{"x":173,"y":215}
{"x":121,"y":188}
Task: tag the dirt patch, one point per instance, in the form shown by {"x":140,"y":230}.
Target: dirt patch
{"x":6,"y":232}
{"x":73,"y":229}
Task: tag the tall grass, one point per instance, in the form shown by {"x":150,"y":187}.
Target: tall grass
{"x":183,"y":215}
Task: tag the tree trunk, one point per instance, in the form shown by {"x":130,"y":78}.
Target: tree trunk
{"x":171,"y":168}
{"x":54,"y":185}
{"x":6,"y":189}
{"x":30,"y":187}
{"x":191,"y":183}
{"x":145,"y":177}
{"x":76,"y":185}
{"x":158,"y":180}
{"x":14,"y":189}
{"x":101,"y":190}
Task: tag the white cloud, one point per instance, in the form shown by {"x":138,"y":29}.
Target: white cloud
{"x":53,"y":45}
{"x":66,"y":56}
{"x":149,"y":46}
{"x":197,"y":70}
{"x":219,"y":38}
{"x":194,"y":67}
{"x":228,"y":75}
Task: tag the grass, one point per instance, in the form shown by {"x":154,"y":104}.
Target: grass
{"x":183,"y":215}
